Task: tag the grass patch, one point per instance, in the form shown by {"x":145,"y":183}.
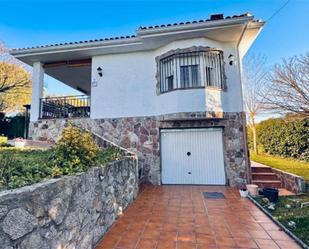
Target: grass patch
{"x":292,"y":214}
{"x":287,"y":164}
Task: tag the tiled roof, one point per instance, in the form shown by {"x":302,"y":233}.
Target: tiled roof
{"x":79,"y":42}
{"x":214,"y":17}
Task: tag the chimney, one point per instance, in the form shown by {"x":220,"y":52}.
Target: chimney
{"x":214,"y":17}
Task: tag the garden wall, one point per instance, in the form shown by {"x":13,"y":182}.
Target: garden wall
{"x":70,"y":212}
{"x":291,"y":182}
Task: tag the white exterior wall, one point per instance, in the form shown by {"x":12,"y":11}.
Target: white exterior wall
{"x":128,"y":85}
{"x":37,"y":90}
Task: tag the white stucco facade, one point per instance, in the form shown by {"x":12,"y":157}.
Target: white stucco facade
{"x":128,"y":85}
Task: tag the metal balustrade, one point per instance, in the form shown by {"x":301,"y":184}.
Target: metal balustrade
{"x":65,"y":107}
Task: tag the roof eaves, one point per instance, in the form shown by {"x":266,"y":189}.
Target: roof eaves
{"x":76,"y":45}
{"x":194,"y":25}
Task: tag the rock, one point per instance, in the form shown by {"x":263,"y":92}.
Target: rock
{"x":50,"y":233}
{"x":271,"y":207}
{"x":58,"y":210}
{"x":34,"y":241}
{"x":3,"y":211}
{"x":18,"y":223}
{"x":291,"y":224}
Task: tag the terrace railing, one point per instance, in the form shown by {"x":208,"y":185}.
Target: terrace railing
{"x":65,"y":107}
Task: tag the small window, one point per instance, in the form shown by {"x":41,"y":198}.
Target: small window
{"x":189,"y":76}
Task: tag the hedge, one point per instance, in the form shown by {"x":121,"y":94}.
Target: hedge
{"x":286,"y":137}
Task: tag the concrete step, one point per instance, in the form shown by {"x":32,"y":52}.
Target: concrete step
{"x":264,"y":176}
{"x":267,"y":183}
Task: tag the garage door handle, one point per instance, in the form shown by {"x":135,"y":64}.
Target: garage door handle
{"x":188,"y":153}
{"x":189,"y":173}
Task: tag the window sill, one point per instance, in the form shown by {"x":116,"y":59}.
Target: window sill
{"x":176,"y":89}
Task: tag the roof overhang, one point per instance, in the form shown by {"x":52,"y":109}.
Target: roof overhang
{"x":242,"y":30}
{"x":226,"y":30}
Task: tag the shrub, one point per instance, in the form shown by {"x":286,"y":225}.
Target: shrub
{"x":3,"y":140}
{"x":75,"y":152}
{"x":287,"y":137}
{"x":108,"y":154}
{"x":20,"y":168}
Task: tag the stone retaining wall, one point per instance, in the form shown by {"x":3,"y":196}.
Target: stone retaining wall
{"x":71,"y":212}
{"x":291,"y":182}
{"x":141,"y":136}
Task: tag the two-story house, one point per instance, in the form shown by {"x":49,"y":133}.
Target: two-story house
{"x":171,"y":93}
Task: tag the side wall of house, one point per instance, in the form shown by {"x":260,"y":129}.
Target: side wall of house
{"x":141,"y":135}
{"x":128,"y":85}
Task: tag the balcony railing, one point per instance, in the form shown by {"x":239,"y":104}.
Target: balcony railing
{"x":65,"y":107}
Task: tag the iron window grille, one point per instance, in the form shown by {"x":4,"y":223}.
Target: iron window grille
{"x":191,"y":70}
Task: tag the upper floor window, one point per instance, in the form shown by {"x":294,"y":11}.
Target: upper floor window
{"x":194,"y":69}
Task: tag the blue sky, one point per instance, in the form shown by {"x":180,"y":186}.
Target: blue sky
{"x":30,"y":23}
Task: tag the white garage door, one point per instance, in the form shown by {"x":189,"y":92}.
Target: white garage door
{"x":192,"y":156}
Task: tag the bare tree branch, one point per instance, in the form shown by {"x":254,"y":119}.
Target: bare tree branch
{"x":289,"y":86}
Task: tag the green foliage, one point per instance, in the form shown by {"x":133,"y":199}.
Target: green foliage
{"x":108,"y":154}
{"x":296,"y":214}
{"x":293,"y":166}
{"x":13,"y":127}
{"x":20,"y":168}
{"x":3,"y":140}
{"x":286,"y":137}
{"x":75,"y":152}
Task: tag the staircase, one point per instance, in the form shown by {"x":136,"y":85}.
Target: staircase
{"x":263,"y":176}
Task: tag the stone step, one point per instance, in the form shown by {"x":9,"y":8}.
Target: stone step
{"x":267,"y":183}
{"x":264,"y":176}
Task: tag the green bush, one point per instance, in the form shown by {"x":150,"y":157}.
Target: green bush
{"x":3,"y":140}
{"x":20,"y":168}
{"x":286,"y":137}
{"x":75,"y":152}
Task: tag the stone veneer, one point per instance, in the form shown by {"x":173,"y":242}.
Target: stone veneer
{"x":69,"y":212}
{"x":291,"y":182}
{"x":141,"y":135}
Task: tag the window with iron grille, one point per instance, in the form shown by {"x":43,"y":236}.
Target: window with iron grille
{"x":191,"y":70}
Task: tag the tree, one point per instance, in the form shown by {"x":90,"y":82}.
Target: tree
{"x":254,"y":91}
{"x":15,"y":83}
{"x":15,"y":87}
{"x":289,"y":86}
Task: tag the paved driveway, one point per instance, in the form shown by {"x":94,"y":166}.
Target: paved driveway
{"x":179,"y":217}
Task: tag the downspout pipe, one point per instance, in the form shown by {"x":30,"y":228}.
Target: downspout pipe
{"x":243,"y":116}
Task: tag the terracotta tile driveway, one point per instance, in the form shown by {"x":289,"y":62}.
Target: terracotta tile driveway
{"x":179,"y":217}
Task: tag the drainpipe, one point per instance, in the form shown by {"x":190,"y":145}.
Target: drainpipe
{"x":243,"y":116}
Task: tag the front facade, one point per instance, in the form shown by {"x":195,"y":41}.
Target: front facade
{"x":172,"y":94}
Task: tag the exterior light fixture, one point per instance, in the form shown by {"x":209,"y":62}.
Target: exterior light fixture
{"x":100,"y":71}
{"x":231,"y":59}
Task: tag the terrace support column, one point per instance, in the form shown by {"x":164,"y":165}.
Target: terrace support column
{"x":37,"y":90}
